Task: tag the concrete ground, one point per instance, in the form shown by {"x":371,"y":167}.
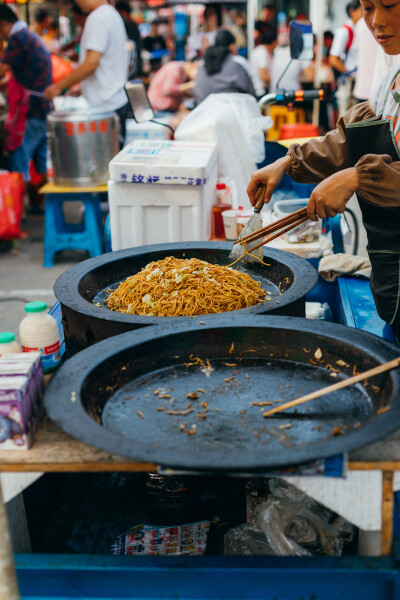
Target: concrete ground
{"x":22,"y":275}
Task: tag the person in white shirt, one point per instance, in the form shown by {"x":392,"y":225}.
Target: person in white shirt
{"x":103,"y":61}
{"x":292,"y":78}
{"x":343,"y":57}
{"x":261,"y":59}
{"x":203,"y":39}
{"x":343,"y":53}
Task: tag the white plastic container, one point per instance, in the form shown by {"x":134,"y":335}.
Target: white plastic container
{"x":146,"y":131}
{"x":230,"y":225}
{"x":234,"y":222}
{"x":8,"y":345}
{"x":306,"y":232}
{"x":38,"y":331}
{"x":161,"y":191}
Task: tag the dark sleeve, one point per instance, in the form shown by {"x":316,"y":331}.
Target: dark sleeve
{"x":321,"y":157}
{"x":378,"y":175}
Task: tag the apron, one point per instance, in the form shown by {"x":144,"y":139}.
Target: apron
{"x":382,"y":224}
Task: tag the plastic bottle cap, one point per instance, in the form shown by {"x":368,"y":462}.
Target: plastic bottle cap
{"x":6,"y":337}
{"x":221,"y":186}
{"x":34,"y":307}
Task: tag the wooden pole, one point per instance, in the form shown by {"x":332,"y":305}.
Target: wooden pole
{"x":8,"y":578}
{"x":387,"y":513}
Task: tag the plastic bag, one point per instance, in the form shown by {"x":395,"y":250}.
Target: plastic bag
{"x":292,"y":529}
{"x":11,"y":196}
{"x":244,"y":540}
{"x":292,"y":523}
{"x":234,"y":124}
{"x":295,"y":524}
{"x":60,"y":68}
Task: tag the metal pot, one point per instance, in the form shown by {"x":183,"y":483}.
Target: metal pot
{"x":82,"y":144}
{"x":80,"y":289}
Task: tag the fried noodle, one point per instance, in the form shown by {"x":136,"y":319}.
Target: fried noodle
{"x":175,"y":287}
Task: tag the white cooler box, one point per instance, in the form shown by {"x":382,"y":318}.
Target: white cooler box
{"x":161,"y":191}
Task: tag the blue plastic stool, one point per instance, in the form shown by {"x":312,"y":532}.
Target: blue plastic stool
{"x":59,"y":235}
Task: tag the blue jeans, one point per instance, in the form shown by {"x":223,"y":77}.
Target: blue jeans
{"x":34,"y":147}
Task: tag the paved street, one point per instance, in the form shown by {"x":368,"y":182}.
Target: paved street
{"x":23,"y":277}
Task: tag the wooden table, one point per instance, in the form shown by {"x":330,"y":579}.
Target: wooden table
{"x":55,"y":451}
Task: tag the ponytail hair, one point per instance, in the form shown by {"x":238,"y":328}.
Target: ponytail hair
{"x":215,"y":56}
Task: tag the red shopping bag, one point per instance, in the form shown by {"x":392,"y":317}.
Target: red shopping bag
{"x":11,"y":198}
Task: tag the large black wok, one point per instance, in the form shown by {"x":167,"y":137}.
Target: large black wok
{"x":80,"y":289}
{"x":118,"y":394}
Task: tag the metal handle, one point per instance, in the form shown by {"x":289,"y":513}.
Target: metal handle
{"x":260,"y":195}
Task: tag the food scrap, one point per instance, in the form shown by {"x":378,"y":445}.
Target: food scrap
{"x":341,"y":363}
{"x":201,"y":390}
{"x":337,"y":431}
{"x":261,"y":404}
{"x":231,"y":349}
{"x":332,"y":369}
{"x":187,"y":411}
{"x":141,"y":415}
{"x":206,"y":367}
{"x":318,"y":354}
{"x":382,"y":410}
{"x":287,"y":426}
{"x":193,"y":396}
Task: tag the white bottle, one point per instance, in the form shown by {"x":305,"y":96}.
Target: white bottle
{"x":8,"y":344}
{"x":39,"y":332}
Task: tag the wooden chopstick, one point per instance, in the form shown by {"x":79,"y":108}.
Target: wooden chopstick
{"x":392,"y":364}
{"x":293,"y":222}
{"x":291,"y":219}
{"x":280,"y":232}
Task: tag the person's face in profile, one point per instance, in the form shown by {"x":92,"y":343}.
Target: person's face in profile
{"x":383,"y":21}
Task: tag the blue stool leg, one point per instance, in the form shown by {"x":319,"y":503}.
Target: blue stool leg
{"x":92,"y":229}
{"x":49,"y":230}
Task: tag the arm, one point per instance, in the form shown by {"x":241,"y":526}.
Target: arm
{"x":4,"y":68}
{"x":337,"y":64}
{"x":313,"y":161}
{"x":375,"y":177}
{"x":264,"y":76}
{"x":84,"y":70}
{"x":186,"y":87}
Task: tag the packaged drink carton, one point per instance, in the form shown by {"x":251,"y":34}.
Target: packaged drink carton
{"x":16,"y":413}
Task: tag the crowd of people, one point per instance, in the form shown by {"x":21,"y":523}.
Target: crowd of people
{"x":94,"y":48}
